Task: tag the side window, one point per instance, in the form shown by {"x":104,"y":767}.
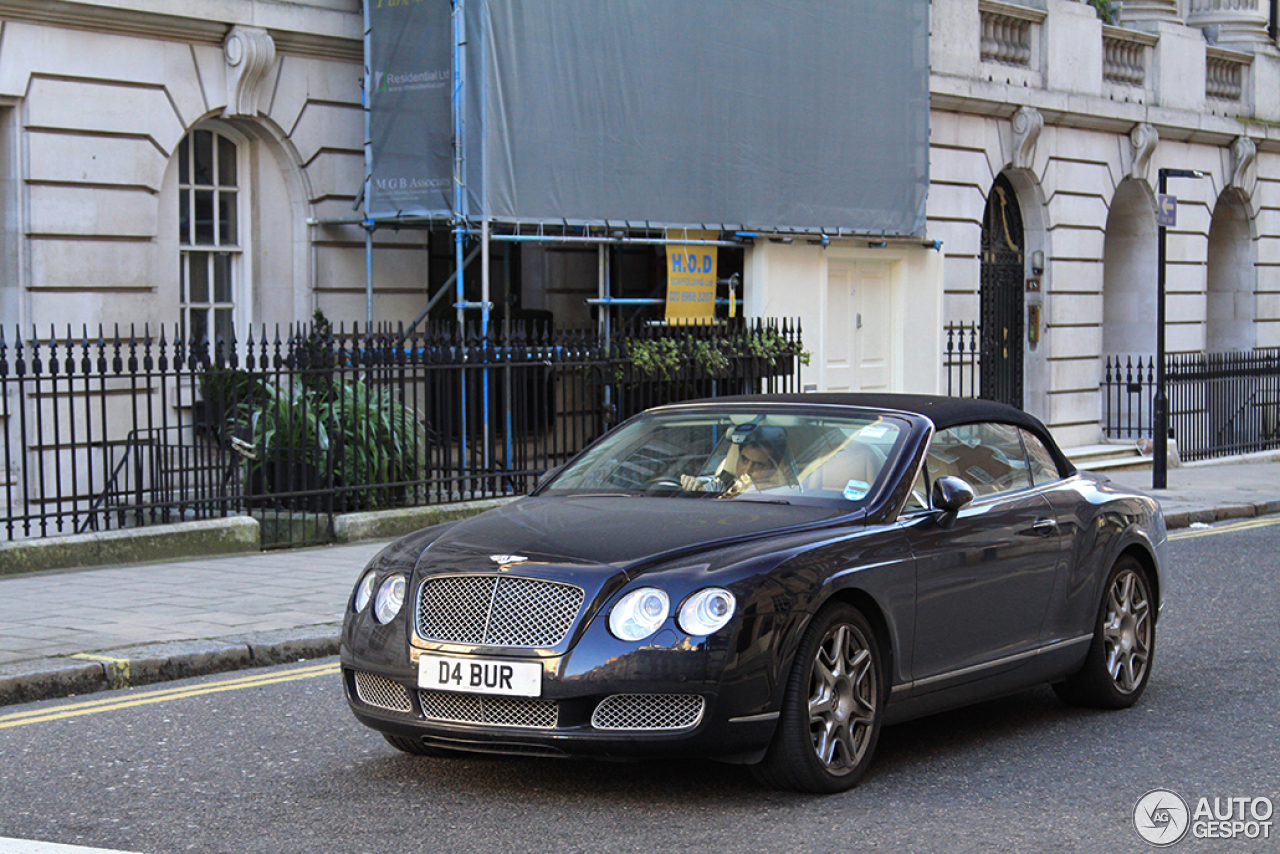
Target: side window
{"x":988,"y":456}
{"x":1043,"y":467}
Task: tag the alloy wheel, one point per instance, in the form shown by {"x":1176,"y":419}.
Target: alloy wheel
{"x":1127,"y":630}
{"x":843,"y":694}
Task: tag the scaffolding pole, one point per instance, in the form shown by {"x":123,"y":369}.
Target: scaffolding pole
{"x":368,"y":224}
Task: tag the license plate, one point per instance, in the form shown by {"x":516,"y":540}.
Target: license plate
{"x":480,"y":676}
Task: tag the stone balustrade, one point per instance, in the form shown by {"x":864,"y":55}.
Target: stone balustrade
{"x":1196,"y":55}
{"x":1006,"y":35}
{"x":1124,"y":56}
{"x":1225,"y":73}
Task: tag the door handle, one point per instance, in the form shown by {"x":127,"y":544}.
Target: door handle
{"x":1044,"y":527}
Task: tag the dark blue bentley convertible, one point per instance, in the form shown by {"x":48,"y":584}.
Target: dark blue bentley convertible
{"x":763,"y":580}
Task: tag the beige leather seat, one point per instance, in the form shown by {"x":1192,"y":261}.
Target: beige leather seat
{"x":854,"y":462}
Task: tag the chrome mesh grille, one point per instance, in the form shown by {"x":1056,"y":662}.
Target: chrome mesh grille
{"x":455,"y":608}
{"x":649,"y":711}
{"x":494,"y":711}
{"x":496,"y":610}
{"x":378,"y":691}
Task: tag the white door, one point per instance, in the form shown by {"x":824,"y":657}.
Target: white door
{"x":858,"y":339}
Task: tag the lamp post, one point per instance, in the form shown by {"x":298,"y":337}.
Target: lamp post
{"x":1166,"y":215}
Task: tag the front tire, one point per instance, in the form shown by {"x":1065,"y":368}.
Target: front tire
{"x":1118,"y":664}
{"x":833,"y":707}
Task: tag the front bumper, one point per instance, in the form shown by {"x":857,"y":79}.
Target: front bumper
{"x":614,"y":725}
{"x":609,"y":700}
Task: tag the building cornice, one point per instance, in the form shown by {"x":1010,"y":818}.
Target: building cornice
{"x":1125,"y":34}
{"x":1085,"y":112}
{"x":320,"y":32}
{"x":1012,"y":10}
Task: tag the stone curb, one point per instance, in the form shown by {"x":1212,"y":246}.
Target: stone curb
{"x":1220,"y":513}
{"x":181,"y":540}
{"x":52,"y":678}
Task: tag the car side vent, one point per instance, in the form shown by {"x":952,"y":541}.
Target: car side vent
{"x":649,"y":712}
{"x":374,"y":690}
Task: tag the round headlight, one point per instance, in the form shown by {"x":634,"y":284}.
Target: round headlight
{"x":639,"y":614}
{"x":390,"y":599}
{"x":364,"y":591}
{"x":707,"y":611}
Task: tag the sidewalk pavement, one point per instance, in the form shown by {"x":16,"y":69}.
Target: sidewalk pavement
{"x":77,"y":631}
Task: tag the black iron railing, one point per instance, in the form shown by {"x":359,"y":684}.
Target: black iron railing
{"x":962,"y":360}
{"x":1220,"y":404}
{"x":123,"y":430}
{"x":1224,"y":403}
{"x":1128,"y":393}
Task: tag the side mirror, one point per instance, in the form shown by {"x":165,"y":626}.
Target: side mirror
{"x":951,"y":494}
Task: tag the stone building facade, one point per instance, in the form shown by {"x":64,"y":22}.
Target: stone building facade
{"x":1049,"y":122}
{"x":168,"y":163}
{"x":200,"y":162}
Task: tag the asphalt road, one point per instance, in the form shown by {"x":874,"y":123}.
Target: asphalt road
{"x":272,"y":761}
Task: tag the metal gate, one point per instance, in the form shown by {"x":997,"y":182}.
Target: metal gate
{"x":1002,"y":298}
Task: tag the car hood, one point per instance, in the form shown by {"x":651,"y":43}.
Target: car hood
{"x":615,"y":531}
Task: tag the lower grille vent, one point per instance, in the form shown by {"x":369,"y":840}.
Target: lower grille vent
{"x":649,"y":712}
{"x":493,"y":711}
{"x":381,"y":692}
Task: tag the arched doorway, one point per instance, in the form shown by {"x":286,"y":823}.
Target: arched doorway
{"x":1231,"y":305}
{"x":1129,"y":275}
{"x":1003,"y":253}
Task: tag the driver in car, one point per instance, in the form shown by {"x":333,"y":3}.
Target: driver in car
{"x":760,"y":462}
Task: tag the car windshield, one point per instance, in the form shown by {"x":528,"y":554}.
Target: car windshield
{"x":790,"y":457}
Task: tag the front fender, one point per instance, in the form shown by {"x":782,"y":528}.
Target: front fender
{"x":871,"y":569}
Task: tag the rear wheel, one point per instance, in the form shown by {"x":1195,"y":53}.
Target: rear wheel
{"x":1118,"y":664}
{"x":833,"y":707}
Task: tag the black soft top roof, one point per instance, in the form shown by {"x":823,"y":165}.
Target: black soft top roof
{"x":944,"y":412}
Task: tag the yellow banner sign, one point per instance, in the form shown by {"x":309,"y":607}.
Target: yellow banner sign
{"x":691,"y":278}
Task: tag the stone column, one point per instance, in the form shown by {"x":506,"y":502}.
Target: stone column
{"x":1141,"y":12}
{"x":1242,"y":24}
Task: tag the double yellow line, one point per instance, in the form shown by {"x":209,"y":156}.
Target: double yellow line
{"x":127,"y":701}
{"x":1194,"y":533}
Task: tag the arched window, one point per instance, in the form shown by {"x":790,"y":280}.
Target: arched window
{"x":209,"y":238}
